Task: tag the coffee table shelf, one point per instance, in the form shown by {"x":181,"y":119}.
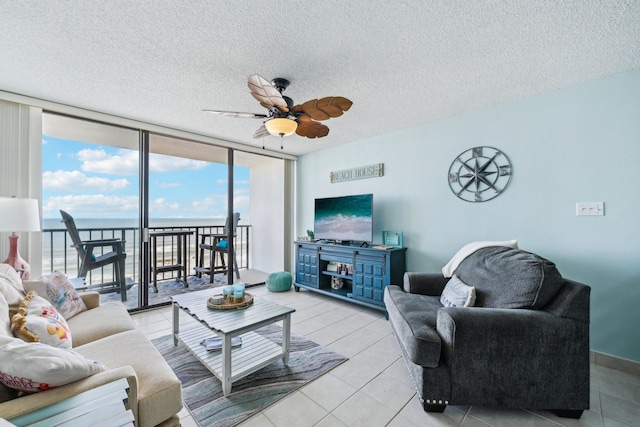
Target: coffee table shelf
{"x":255,"y":352}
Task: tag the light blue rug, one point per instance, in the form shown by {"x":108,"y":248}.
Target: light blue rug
{"x":202,"y":392}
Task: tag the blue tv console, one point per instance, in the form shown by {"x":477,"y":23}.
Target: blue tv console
{"x":359,"y":274}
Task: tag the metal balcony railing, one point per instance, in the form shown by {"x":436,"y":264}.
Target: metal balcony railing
{"x":58,"y":254}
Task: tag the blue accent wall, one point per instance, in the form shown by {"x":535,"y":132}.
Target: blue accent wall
{"x":578,"y":144}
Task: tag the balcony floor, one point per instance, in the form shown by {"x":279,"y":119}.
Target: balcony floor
{"x":167,"y":288}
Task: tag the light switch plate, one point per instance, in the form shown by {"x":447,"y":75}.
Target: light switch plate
{"x":590,"y":209}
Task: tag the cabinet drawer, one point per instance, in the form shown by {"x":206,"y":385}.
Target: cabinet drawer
{"x":337,"y":255}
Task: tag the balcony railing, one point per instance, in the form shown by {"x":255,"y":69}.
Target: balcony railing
{"x":58,"y":254}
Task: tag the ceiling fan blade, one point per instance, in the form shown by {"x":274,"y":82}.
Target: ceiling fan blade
{"x":267,"y":95}
{"x":261,"y":132}
{"x":237,"y":114}
{"x":310,"y":128}
{"x":324,"y":108}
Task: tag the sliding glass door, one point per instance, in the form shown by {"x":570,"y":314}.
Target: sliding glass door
{"x":90,"y":171}
{"x":188,"y":203}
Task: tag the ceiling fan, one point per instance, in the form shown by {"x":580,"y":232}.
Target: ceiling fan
{"x":283,"y":118}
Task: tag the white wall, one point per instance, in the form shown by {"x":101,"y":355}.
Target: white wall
{"x":267,"y":215}
{"x":577,"y":144}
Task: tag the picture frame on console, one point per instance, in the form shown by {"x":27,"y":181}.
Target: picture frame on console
{"x":392,"y":238}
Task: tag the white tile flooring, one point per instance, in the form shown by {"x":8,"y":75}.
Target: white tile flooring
{"x":373,"y":387}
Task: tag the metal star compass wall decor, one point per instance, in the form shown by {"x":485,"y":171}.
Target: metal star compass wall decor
{"x":479,"y":174}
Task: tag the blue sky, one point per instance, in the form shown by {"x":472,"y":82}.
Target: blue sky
{"x":94,"y":181}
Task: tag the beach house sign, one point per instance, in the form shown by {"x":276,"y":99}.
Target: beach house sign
{"x":361,"y":172}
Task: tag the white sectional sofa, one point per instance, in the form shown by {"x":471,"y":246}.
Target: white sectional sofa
{"x":104,"y":333}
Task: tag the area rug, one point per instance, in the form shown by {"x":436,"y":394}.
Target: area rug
{"x":202,"y":391}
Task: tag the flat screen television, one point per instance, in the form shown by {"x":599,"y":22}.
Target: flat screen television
{"x":345,"y":218}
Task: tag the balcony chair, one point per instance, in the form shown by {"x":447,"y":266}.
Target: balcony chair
{"x":218,"y":244}
{"x":89,"y":260}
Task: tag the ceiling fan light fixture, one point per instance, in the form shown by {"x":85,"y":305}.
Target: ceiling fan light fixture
{"x":281,"y":126}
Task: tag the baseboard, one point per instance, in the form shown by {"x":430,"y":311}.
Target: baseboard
{"x":614,"y":362}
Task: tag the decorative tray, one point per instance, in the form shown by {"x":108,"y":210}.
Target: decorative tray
{"x":248,"y":300}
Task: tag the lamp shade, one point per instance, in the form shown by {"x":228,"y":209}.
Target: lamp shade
{"x":281,"y":126}
{"x":19,"y":214}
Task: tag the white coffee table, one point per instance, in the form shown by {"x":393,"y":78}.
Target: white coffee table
{"x":231,"y":364}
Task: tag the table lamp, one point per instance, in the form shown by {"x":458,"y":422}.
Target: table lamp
{"x":18,"y":215}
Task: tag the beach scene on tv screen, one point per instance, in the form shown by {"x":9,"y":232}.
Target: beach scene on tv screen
{"x":344,"y":218}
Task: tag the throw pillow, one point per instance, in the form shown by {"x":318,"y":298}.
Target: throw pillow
{"x":456,"y":293}
{"x":31,"y":367}
{"x":11,"y":286}
{"x":38,"y":321}
{"x":5,"y":318}
{"x":59,"y":291}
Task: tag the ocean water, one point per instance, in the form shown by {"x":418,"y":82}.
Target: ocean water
{"x":59,"y":255}
{"x":342,"y":227}
{"x":56,"y":223}
{"x":344,"y":218}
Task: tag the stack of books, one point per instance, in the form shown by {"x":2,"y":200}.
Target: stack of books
{"x":215,"y":343}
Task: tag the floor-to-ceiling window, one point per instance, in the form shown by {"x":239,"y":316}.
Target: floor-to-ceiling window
{"x":102,"y":175}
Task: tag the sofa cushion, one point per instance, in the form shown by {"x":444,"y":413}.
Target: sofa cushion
{"x":39,"y":321}
{"x":468,"y":249}
{"x":35,"y":367}
{"x":58,"y":290}
{"x":413,"y":318}
{"x":5,"y":319}
{"x":159,"y":390}
{"x":456,"y":293}
{"x":99,"y":322}
{"x":510,"y":278}
{"x":11,"y":287}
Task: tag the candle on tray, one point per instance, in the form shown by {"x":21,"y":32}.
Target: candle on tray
{"x":238,"y":296}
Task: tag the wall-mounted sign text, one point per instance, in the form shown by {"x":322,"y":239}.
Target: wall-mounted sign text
{"x":362,"y":172}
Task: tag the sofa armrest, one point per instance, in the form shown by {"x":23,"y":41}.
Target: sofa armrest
{"x":25,"y":404}
{"x":430,"y":284}
{"x":91,"y":299}
{"x":484,"y":347}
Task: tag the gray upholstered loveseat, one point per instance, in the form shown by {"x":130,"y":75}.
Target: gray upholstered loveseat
{"x":525,"y":342}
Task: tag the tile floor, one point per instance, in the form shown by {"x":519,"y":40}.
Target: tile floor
{"x":373,"y":387}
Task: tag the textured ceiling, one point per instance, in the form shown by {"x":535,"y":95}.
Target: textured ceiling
{"x":401,"y":62}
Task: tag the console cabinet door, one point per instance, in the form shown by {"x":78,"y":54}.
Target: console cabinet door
{"x":307,"y":267}
{"x":369,"y":278}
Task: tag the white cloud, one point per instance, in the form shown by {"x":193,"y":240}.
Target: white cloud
{"x":78,"y":181}
{"x":167,"y":184}
{"x":161,"y":205}
{"x":125,"y":162}
{"x":96,"y":206}
{"x":101,"y":206}
{"x":99,"y":161}
{"x":241,"y":203}
{"x":160,"y":163}
{"x":215,"y":205}
{"x":236,"y":182}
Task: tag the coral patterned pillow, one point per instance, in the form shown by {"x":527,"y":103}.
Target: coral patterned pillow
{"x":38,"y":321}
{"x":57,"y":288}
{"x":31,"y":367}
